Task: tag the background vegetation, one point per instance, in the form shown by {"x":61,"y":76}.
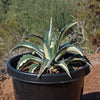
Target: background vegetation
{"x":88,"y":15}
{"x":18,"y":17}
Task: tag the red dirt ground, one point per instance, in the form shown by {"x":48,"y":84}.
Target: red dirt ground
{"x":91,"y":84}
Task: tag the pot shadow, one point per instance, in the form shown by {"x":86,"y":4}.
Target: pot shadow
{"x":91,"y":96}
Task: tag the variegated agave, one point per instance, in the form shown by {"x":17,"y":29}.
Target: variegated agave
{"x":50,"y":55}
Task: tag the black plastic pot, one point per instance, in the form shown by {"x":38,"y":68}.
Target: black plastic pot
{"x":49,"y":86}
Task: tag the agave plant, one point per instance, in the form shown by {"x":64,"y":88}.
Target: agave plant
{"x":51,"y":55}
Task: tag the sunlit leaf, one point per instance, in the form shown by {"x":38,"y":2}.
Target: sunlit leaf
{"x":30,"y":46}
{"x":63,"y":65}
{"x":63,"y":44}
{"x":46,"y":64}
{"x":27,"y":58}
{"x":68,"y":48}
{"x":35,"y":37}
{"x":41,"y":49}
{"x":77,"y":57}
{"x":49,"y":33}
{"x":33,"y":68}
{"x":62,"y":33}
{"x":47,"y":51}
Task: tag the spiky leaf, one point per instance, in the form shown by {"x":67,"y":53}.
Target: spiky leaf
{"x":46,"y":64}
{"x":26,"y":58}
{"x":68,"y":48}
{"x":30,"y":46}
{"x":49,"y":33}
{"x":63,"y":65}
{"x":47,"y":51}
{"x":41,"y":49}
{"x":53,"y":44}
{"x":36,"y":37}
{"x":63,"y":44}
{"x":33,"y":68}
{"x":62,"y":33}
{"x":79,"y":58}
{"x":45,"y":45}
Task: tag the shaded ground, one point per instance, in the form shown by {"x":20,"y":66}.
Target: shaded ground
{"x":91,"y":84}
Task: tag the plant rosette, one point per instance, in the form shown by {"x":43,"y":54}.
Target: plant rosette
{"x":50,"y":58}
{"x":55,"y":62}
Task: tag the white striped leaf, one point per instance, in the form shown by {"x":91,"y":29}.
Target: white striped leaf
{"x":53,"y":44}
{"x":46,"y":48}
{"x":36,"y":37}
{"x":63,"y":44}
{"x":26,"y":58}
{"x":33,"y":68}
{"x":49,"y":33}
{"x":51,"y":39}
{"x":68,"y":48}
{"x":30,"y":46}
{"x":64,"y":66}
{"x":41,"y":49}
{"x":62,"y":33}
{"x":46,"y":64}
{"x":47,"y":51}
{"x":79,"y":58}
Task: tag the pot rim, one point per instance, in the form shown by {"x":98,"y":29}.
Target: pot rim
{"x":45,"y":78}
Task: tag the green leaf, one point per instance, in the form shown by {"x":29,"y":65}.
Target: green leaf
{"x":33,"y":67}
{"x":68,"y":48}
{"x":47,"y":51}
{"x":63,"y":44}
{"x":77,"y":57}
{"x":41,"y":48}
{"x":63,"y":65}
{"x":45,"y":45}
{"x":49,"y":33}
{"x":26,"y":58}
{"x":36,"y":37}
{"x":62,"y":33}
{"x":43,"y":66}
{"x":53,"y":44}
{"x":30,"y":46}
{"x":88,"y":62}
{"x":51,"y":39}
{"x":46,"y":64}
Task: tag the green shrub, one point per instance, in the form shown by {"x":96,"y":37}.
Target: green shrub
{"x":33,"y":16}
{"x":9,"y":36}
{"x":88,"y":15}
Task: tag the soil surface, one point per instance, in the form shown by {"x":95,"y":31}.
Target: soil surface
{"x":91,"y":83}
